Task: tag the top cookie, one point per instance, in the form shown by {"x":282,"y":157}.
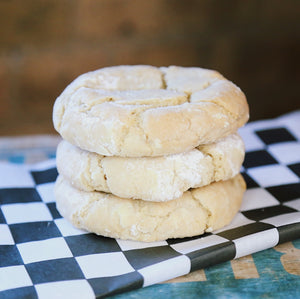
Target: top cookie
{"x":134,"y":111}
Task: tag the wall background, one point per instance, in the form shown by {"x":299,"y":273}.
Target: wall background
{"x":45,"y":44}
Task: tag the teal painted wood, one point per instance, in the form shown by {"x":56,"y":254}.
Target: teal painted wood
{"x":273,"y":282}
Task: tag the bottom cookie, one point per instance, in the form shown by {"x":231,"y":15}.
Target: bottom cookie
{"x":195,"y":212}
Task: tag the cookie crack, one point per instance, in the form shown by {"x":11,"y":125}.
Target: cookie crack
{"x":88,"y":108}
{"x":164,"y":81}
{"x":89,"y":171}
{"x":188,"y":96}
{"x":64,"y":99}
{"x":159,"y":220}
{"x":162,"y":219}
{"x":137,"y":115}
{"x":61,"y":117}
{"x":213,"y":161}
{"x":105,"y":176}
{"x":175,"y":175}
{"x":207,"y":210}
{"x":225,"y":109}
{"x":82,"y":212}
{"x":139,"y":125}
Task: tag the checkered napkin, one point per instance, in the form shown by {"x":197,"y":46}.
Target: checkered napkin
{"x":42,"y":255}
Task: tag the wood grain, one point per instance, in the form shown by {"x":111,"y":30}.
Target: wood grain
{"x":290,"y":259}
{"x":244,"y":268}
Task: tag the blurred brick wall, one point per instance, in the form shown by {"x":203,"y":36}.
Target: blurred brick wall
{"x":46,"y":44}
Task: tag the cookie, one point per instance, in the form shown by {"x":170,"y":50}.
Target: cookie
{"x":135,"y":111}
{"x":195,"y":212}
{"x":151,"y":178}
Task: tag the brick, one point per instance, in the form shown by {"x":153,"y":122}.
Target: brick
{"x":160,"y":54}
{"x":7,"y":94}
{"x":253,"y":19}
{"x":5,"y":88}
{"x":42,"y":77}
{"x":45,"y":45}
{"x":117,"y":19}
{"x":34,"y":23}
{"x":266,"y":70}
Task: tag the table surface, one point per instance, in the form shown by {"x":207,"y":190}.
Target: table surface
{"x":272,"y":273}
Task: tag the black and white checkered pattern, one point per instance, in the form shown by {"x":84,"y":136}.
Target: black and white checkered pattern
{"x":42,"y":255}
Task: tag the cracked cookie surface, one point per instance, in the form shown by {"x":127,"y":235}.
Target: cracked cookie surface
{"x":151,"y":178}
{"x":196,"y":211}
{"x":135,"y":111}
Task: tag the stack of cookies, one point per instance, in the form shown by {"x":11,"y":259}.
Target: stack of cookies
{"x":150,"y":153}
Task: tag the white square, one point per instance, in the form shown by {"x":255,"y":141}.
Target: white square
{"x":256,"y":242}
{"x":38,"y":251}
{"x":104,"y":264}
{"x":238,"y":220}
{"x":286,"y":153}
{"x":273,"y":175}
{"x":295,"y":204}
{"x":283,"y":219}
{"x":292,"y":122}
{"x":75,"y":289}
{"x":251,"y":140}
{"x":67,"y":229}
{"x":129,"y":245}
{"x":193,"y":245}
{"x":5,"y":235}
{"x":264,"y":124}
{"x":26,"y":212}
{"x":46,"y":192}
{"x":257,"y":198}
{"x":14,"y":277}
{"x":166,"y":270}
{"x":15,"y":176}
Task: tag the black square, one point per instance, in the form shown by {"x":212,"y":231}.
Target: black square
{"x":52,"y":208}
{"x":2,"y":219}
{"x":250,"y":183}
{"x":91,"y":244}
{"x":258,"y":158}
{"x":267,"y":212}
{"x":44,"y":176}
{"x":140,"y":258}
{"x":18,"y":195}
{"x":34,"y":231}
{"x":289,"y":232}
{"x":182,"y":240}
{"x":277,"y":135}
{"x":54,"y":270}
{"x":24,"y":293}
{"x":212,"y":255}
{"x":10,"y":256}
{"x":295,"y":168}
{"x":107,"y":286}
{"x":245,"y":230}
{"x":285,"y":192}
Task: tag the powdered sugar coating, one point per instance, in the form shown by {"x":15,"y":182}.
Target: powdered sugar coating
{"x":196,"y":211}
{"x":135,"y":111}
{"x":151,"y":178}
